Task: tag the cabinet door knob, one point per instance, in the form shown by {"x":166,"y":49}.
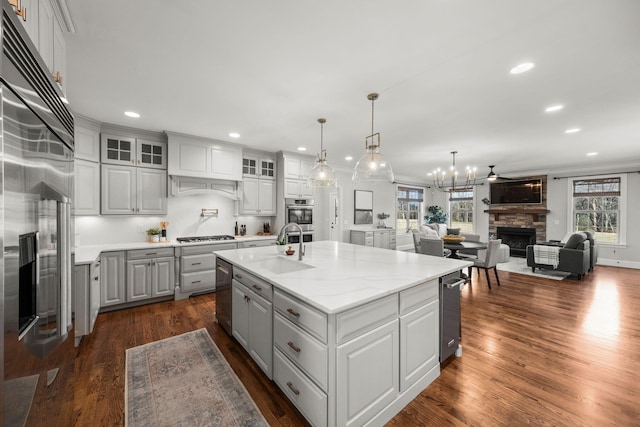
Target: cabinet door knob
{"x":293,"y":389}
{"x":292,"y":312}
{"x":294,"y":347}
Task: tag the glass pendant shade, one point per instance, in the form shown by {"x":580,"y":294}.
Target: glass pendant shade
{"x":372,"y":166}
{"x":322,"y":176}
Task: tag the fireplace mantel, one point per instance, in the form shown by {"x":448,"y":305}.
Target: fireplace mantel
{"x":517,"y":210}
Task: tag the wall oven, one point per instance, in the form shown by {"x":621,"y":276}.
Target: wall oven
{"x":300,"y":211}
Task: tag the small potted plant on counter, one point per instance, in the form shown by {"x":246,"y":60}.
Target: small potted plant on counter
{"x":382,"y":216}
{"x":281,"y":246}
{"x":154,"y":234}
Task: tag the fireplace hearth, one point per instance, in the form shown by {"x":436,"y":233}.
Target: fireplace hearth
{"x":517,"y":238}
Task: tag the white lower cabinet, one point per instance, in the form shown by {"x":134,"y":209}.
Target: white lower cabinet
{"x":252,"y":321}
{"x":367,"y":374}
{"x":355,"y":367}
{"x":87,"y":298}
{"x":150,"y":274}
{"x":301,"y":391}
{"x":112,"y":278}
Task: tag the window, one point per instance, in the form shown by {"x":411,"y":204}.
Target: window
{"x":409,"y":208}
{"x":597,"y":204}
{"x":461,"y":210}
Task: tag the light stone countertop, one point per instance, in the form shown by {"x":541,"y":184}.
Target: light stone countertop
{"x":89,"y":253}
{"x":343,"y":275}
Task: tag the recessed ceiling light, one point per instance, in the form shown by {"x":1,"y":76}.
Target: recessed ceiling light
{"x":553,"y":108}
{"x":572,"y":130}
{"x":348,"y":158}
{"x":522,"y":68}
{"x":593,"y":153}
{"x":132,"y":114}
{"x":234,"y":135}
{"x":302,"y":148}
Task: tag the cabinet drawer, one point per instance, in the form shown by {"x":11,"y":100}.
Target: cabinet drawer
{"x":300,"y":314}
{"x":191,"y":263}
{"x":257,"y":285}
{"x":360,"y":320}
{"x":305,"y":351}
{"x":198,"y":281}
{"x":417,"y":296}
{"x":307,"y":397}
{"x":150,"y":253}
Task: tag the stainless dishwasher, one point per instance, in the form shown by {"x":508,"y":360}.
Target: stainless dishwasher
{"x":450,"y":323}
{"x":224,"y":274}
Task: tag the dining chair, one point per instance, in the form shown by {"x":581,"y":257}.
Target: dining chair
{"x":488,"y":262}
{"x":433,"y":246}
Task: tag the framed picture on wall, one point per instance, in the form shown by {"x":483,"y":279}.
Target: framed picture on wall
{"x":363,"y":207}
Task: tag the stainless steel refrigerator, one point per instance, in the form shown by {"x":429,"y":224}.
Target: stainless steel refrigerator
{"x":36,"y":187}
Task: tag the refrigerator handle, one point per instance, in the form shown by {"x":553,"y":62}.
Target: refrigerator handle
{"x":64,"y":267}
{"x":63,"y":252}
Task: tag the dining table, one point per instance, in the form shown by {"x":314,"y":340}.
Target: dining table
{"x":454,"y":247}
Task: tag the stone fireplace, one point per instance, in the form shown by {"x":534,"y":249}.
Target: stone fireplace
{"x":517,"y":238}
{"x":531,"y":217}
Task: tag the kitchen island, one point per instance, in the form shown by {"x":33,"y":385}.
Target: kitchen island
{"x":350,"y":333}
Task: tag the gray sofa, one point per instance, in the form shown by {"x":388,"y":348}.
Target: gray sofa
{"x":574,"y":256}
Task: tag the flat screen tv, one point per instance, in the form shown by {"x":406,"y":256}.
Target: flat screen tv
{"x":527,"y":192}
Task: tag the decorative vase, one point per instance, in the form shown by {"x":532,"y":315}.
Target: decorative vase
{"x":281,"y":249}
{"x":155,"y":238}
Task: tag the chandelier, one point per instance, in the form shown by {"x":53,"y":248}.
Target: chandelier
{"x":322,"y":175}
{"x":372,"y":166}
{"x":451,"y":182}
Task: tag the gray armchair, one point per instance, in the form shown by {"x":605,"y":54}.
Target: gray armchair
{"x":593,"y":249}
{"x":574,"y":257}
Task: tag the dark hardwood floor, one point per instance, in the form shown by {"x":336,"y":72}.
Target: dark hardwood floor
{"x":535,"y":351}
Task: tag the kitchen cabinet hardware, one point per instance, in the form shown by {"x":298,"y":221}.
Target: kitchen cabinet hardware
{"x":195,"y":281}
{"x":293,"y":389}
{"x":238,"y":276}
{"x":257,"y":288}
{"x":292,"y":312}
{"x":294,"y":347}
{"x":57,"y":77}
{"x":196,"y":263}
{"x":20,"y":11}
{"x":151,"y":253}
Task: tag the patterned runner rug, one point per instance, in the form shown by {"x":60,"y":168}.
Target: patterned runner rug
{"x":185,"y":381}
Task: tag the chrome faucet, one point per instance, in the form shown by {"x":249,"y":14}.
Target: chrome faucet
{"x":281,"y":237}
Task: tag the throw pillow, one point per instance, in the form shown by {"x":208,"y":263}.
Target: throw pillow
{"x":428,"y":230}
{"x":575,"y":240}
{"x":453,"y":231}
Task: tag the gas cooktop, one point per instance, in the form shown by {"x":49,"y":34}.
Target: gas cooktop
{"x":204,"y":238}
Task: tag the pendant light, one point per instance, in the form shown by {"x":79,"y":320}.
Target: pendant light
{"x":372,"y":166}
{"x":452,"y":183}
{"x":322,"y":176}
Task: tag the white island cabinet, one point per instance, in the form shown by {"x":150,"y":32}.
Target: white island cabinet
{"x":355,"y":329}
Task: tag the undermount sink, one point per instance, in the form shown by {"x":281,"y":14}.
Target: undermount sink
{"x":280,"y":265}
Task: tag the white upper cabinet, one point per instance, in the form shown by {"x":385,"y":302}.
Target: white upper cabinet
{"x":87,"y":144}
{"x":126,"y":151}
{"x":87,"y":188}
{"x":128,"y":190}
{"x":42,"y":21}
{"x":197,"y":157}
{"x":258,"y":165}
{"x":295,"y":175}
{"x":258,"y":185}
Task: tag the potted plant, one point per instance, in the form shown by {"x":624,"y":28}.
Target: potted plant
{"x":281,"y":246}
{"x":154,"y":234}
{"x":436,"y":215}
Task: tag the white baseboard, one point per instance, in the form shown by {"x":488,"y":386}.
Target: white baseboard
{"x":618,"y":263}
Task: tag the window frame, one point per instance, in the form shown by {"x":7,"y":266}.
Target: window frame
{"x":421,"y":190}
{"x":472,"y":210}
{"x":622,"y":206}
